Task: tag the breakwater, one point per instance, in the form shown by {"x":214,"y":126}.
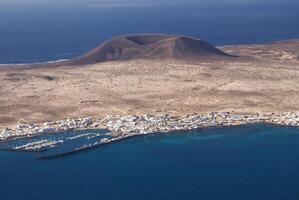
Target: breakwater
{"x":123,"y":127}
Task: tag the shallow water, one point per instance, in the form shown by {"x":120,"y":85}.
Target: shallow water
{"x":64,"y":142}
{"x":246,"y":162}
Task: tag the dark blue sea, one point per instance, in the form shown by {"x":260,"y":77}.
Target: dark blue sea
{"x":245,"y":162}
{"x":45,"y":30}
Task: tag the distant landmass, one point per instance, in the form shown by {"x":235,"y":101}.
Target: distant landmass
{"x":150,"y":46}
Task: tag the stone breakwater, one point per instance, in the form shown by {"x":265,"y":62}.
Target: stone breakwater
{"x":121,"y":127}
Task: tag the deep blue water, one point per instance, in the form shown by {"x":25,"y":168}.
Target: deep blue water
{"x":35,"y":32}
{"x":246,"y":162}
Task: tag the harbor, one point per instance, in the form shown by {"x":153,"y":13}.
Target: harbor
{"x":72,"y":135}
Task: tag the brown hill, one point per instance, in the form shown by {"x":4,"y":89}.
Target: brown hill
{"x":150,"y":46}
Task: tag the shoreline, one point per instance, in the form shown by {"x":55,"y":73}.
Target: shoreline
{"x":120,"y":139}
{"x":120,"y":127}
{"x":34,"y":63}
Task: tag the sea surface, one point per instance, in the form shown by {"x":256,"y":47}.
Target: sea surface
{"x":244,"y":162}
{"x":37,"y":31}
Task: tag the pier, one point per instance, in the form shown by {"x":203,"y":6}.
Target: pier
{"x":121,"y":127}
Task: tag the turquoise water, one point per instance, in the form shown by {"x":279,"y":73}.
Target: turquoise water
{"x":246,"y":162}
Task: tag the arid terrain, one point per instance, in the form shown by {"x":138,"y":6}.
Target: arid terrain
{"x":266,"y":80}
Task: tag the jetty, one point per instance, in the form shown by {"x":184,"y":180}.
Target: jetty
{"x":121,"y":127}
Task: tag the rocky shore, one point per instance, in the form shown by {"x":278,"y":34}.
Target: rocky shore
{"x":121,"y":127}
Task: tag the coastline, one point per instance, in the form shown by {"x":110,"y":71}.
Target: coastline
{"x":125,"y":127}
{"x":34,"y":63}
{"x":117,"y":140}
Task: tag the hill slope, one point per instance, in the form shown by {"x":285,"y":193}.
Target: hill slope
{"x":150,"y":46}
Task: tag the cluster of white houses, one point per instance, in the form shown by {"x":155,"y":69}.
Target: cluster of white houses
{"x":28,"y":130}
{"x":148,"y":124}
{"x":124,"y":126}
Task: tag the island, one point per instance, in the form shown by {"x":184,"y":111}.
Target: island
{"x":144,"y":84}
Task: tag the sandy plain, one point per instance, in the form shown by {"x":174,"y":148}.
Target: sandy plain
{"x":266,"y":80}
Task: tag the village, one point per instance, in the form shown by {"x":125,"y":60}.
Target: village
{"x":131,"y":125}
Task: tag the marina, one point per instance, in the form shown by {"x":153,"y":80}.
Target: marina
{"x":64,"y":137}
{"x":52,"y":144}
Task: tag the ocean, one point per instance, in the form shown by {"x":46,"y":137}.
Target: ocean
{"x":38,"y":32}
{"x":244,"y":162}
